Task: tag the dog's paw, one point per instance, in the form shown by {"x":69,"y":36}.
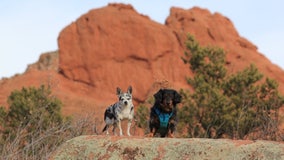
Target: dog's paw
{"x":171,"y":135}
{"x":150,"y":135}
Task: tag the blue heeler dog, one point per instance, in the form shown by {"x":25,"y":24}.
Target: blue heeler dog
{"x":123,"y":109}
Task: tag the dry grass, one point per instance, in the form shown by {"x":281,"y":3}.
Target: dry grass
{"x":40,"y":144}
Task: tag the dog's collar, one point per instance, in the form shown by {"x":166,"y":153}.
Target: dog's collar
{"x":163,"y":117}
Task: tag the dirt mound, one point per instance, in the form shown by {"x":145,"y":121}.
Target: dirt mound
{"x":100,"y":147}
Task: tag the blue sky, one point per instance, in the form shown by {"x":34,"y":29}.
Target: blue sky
{"x":31,"y":27}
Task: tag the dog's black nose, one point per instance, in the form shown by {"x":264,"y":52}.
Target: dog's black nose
{"x":125,"y":102}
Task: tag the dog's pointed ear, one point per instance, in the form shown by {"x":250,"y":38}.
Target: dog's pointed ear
{"x":118,"y":91}
{"x":158,"y":96}
{"x":129,"y":90}
{"x":177,"y":98}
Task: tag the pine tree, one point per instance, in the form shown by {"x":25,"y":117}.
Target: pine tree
{"x":227,"y":105}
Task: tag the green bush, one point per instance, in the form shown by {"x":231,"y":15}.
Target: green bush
{"x":33,"y":109}
{"x":33,"y":124}
{"x":3,"y":114}
{"x":33,"y":127}
{"x":142,"y":116}
{"x":227,"y":105}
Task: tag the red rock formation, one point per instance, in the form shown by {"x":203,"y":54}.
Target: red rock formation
{"x":116,"y":46}
{"x":217,"y":30}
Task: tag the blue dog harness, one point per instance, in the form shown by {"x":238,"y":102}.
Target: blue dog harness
{"x":164,"y":118}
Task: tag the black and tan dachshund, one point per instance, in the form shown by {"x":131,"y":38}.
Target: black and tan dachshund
{"x":163,"y":115}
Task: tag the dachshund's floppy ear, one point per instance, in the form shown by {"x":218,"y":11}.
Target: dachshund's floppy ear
{"x":158,"y":96}
{"x":177,"y":97}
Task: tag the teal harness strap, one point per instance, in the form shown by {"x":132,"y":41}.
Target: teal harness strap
{"x":164,"y":118}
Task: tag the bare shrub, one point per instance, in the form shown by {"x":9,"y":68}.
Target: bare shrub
{"x":44,"y":142}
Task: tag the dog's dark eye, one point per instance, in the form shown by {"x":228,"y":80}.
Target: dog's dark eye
{"x":128,"y":99}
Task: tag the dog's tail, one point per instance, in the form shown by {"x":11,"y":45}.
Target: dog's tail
{"x":105,"y":128}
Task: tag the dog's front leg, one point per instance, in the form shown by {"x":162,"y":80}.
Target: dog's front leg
{"x":152,"y":132}
{"x":171,"y":129}
{"x":128,"y":127}
{"x":120,"y":129}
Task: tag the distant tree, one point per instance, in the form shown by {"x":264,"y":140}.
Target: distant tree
{"x":227,"y":105}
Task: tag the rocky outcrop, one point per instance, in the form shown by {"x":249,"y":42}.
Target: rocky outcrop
{"x":116,"y":46}
{"x":100,"y":147}
{"x":47,"y":61}
{"x":217,"y":30}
